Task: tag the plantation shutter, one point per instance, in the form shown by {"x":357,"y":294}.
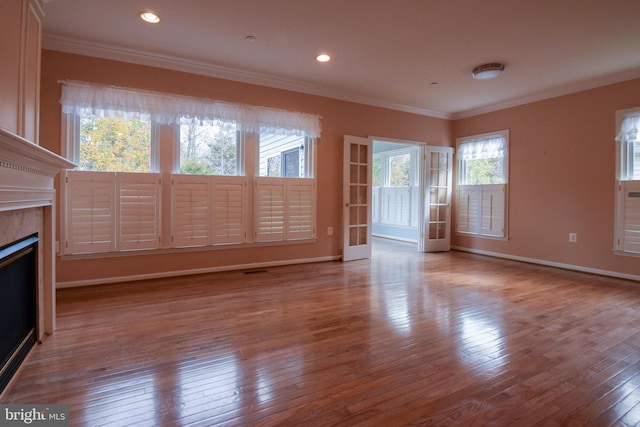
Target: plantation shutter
{"x":493,"y":210}
{"x":269,"y":209}
{"x":191,"y":216}
{"x":229,"y":205}
{"x":138,"y":210}
{"x":396,"y":206}
{"x":629,"y":233}
{"x":468,"y":208}
{"x":300,"y":212}
{"x":90,"y":212}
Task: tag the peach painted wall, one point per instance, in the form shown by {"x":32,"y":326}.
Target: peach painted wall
{"x":562,"y":177}
{"x":338,"y":118}
{"x":10,"y":54}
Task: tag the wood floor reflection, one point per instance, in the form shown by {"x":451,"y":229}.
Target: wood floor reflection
{"x":401,"y":339}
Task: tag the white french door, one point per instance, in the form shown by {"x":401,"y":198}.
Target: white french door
{"x":356,"y":198}
{"x":435,"y":230}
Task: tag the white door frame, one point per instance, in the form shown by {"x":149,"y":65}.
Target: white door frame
{"x":435,"y":232}
{"x":356,"y":198}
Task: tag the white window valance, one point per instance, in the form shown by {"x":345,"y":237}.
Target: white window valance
{"x":629,"y":129}
{"x":482,"y":148}
{"x":111,"y":101}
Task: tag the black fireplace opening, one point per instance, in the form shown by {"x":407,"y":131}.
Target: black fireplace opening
{"x":18,"y":304}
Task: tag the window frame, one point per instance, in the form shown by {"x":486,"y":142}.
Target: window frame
{"x":300,"y":197}
{"x":306,"y":159}
{"x":240,"y":153}
{"x":71,"y":142}
{"x":624,"y":188}
{"x":385,"y":158}
{"x":488,"y":203}
{"x":388,"y":203}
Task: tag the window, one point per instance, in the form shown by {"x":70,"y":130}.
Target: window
{"x":285,"y":190}
{"x":395,"y":193}
{"x":400,"y":170}
{"x":285,"y":156}
{"x":209,"y":147}
{"x":113,"y":144}
{"x":627,"y":232}
{"x":113,"y":201}
{"x":481,"y":205}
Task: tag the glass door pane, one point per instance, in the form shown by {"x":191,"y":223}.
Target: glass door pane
{"x":357,"y":196}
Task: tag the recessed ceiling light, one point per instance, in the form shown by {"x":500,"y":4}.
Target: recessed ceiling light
{"x":323,"y":57}
{"x":488,"y":71}
{"x":149,"y":17}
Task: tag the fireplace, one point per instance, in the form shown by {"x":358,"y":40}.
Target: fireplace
{"x":18,"y":308}
{"x":27,"y":211}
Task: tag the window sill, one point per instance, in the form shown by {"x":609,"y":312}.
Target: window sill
{"x":480,"y":236}
{"x":629,"y":254}
{"x":181,"y":250}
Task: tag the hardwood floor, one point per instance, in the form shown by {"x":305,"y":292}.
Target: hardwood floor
{"x":401,"y":339}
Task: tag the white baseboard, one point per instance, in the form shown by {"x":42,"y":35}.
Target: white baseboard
{"x":399,"y":239}
{"x":579,"y":268}
{"x":119,"y":279}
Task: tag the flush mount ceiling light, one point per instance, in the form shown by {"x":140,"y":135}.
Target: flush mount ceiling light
{"x":149,"y":17}
{"x":488,"y":71}
{"x":323,"y":57}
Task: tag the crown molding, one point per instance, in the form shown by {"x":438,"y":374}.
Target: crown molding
{"x":123,"y":54}
{"x":117,"y":53}
{"x":552,"y":93}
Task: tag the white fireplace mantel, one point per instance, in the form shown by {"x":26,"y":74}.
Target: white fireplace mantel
{"x":27,"y":172}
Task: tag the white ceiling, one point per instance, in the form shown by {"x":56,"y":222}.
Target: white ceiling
{"x":388,"y":53}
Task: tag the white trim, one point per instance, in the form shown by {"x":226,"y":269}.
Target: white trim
{"x":383,"y":139}
{"x":622,"y":180}
{"x":132,"y":56}
{"x":568,"y":89}
{"x":546,"y":263}
{"x":18,"y":153}
{"x":237,"y":267}
{"x":396,"y":238}
{"x":119,"y":53}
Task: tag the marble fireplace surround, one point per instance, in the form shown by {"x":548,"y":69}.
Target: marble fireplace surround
{"x":27,"y":206}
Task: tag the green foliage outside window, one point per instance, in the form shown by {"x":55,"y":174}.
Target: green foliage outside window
{"x":115,"y":144}
{"x":376,"y":171}
{"x":207,"y":149}
{"x":399,"y":170}
{"x":484,"y":171}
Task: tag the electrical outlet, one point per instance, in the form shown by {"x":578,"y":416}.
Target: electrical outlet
{"x":573,"y":237}
{"x":329,"y":231}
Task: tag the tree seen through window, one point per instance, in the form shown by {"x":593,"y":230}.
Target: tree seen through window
{"x":400,"y":170}
{"x":114,"y":144}
{"x":208,"y":147}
